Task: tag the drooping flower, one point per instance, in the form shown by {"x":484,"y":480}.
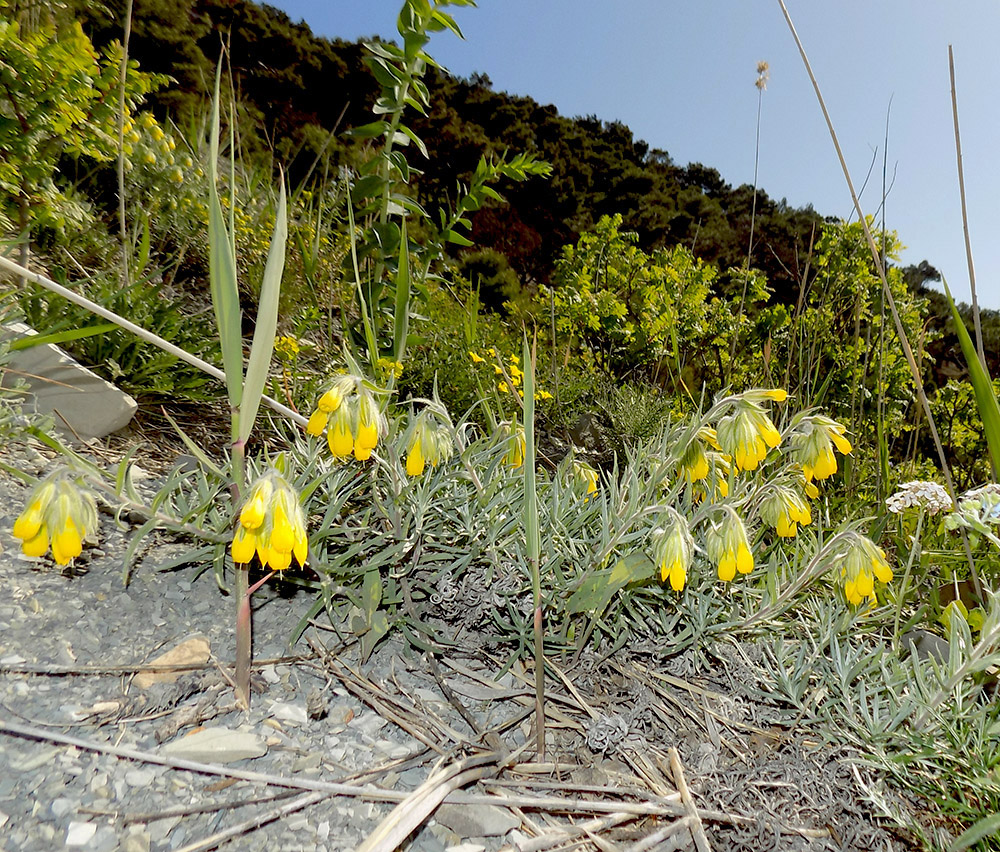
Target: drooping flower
{"x":864,"y":563}
{"x":813,"y":442}
{"x":428,"y":442}
{"x":784,"y":508}
{"x":59,"y":512}
{"x":586,"y":477}
{"x":747,"y":432}
{"x":673,"y":550}
{"x":694,"y":465}
{"x":728,"y":547}
{"x":510,"y":434}
{"x":351,"y":416}
{"x":271,"y":525}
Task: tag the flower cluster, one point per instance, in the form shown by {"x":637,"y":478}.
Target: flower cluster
{"x":272,"y":525}
{"x":585,"y":476}
{"x":702,"y":458}
{"x":813,"y":442}
{"x":864,"y":563}
{"x":784,"y":508}
{"x":510,"y":434}
{"x":930,"y":496}
{"x":428,"y":442}
{"x":747,"y":433}
{"x":673,"y":550}
{"x":351,"y":416}
{"x":511,"y":372}
{"x":59,"y":512}
{"x":728,"y":546}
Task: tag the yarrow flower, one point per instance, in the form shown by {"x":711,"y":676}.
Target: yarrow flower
{"x":728,"y":547}
{"x":351,"y":416}
{"x":784,"y":509}
{"x":59,"y":512}
{"x":673,"y":550}
{"x":272,"y":525}
{"x":864,"y":563}
{"x":747,"y":433}
{"x":813,"y":443}
{"x":930,"y":496}
{"x":428,"y":442}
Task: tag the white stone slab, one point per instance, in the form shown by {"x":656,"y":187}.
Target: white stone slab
{"x":60,"y":386}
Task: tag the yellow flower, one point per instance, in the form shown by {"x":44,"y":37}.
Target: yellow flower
{"x":864,"y":563}
{"x":784,"y":509}
{"x":476,"y":359}
{"x":694,"y":465}
{"x":813,"y":442}
{"x":271,"y":525}
{"x":356,"y":419}
{"x":59,"y":512}
{"x":748,"y":432}
{"x":511,"y":434}
{"x":586,"y":477}
{"x":542,"y":394}
{"x":728,"y":547}
{"x":673,"y":549}
{"x":286,"y":348}
{"x":427,"y":442}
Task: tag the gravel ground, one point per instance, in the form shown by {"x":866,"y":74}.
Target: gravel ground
{"x":318,"y":720}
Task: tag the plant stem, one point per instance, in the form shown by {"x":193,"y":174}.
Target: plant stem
{"x":901,"y":595}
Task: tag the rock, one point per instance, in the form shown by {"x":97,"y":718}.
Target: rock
{"x":477,"y":820}
{"x":288,"y":712}
{"x":193,"y":651}
{"x":216,"y":745}
{"x":80,"y":833}
{"x":86,"y":404}
{"x":136,"y":841}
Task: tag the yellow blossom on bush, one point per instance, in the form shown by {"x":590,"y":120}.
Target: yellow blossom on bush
{"x":813,"y":442}
{"x":428,"y":442}
{"x":286,"y":348}
{"x":864,"y":563}
{"x":271,"y":525}
{"x":673,"y":549}
{"x":59,"y":512}
{"x":784,"y":508}
{"x":728,"y":547}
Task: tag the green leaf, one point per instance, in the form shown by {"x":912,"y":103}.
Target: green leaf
{"x":368,"y":131}
{"x":982,"y":386}
{"x":986,"y":827}
{"x":599,"y":587}
{"x":267,"y":320}
{"x":58,"y":337}
{"x":378,"y":627}
{"x":401,"y":316}
{"x":458,"y":239}
{"x":222,"y":270}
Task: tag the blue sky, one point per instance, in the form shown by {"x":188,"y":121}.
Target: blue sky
{"x":681,"y":75}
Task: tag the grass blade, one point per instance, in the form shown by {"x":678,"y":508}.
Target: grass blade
{"x":401,"y":318}
{"x":982,"y":385}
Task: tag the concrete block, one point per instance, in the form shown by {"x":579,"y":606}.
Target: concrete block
{"x":60,"y":386}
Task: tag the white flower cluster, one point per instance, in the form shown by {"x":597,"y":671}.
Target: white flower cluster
{"x":991,"y":489}
{"x":929,"y":495}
